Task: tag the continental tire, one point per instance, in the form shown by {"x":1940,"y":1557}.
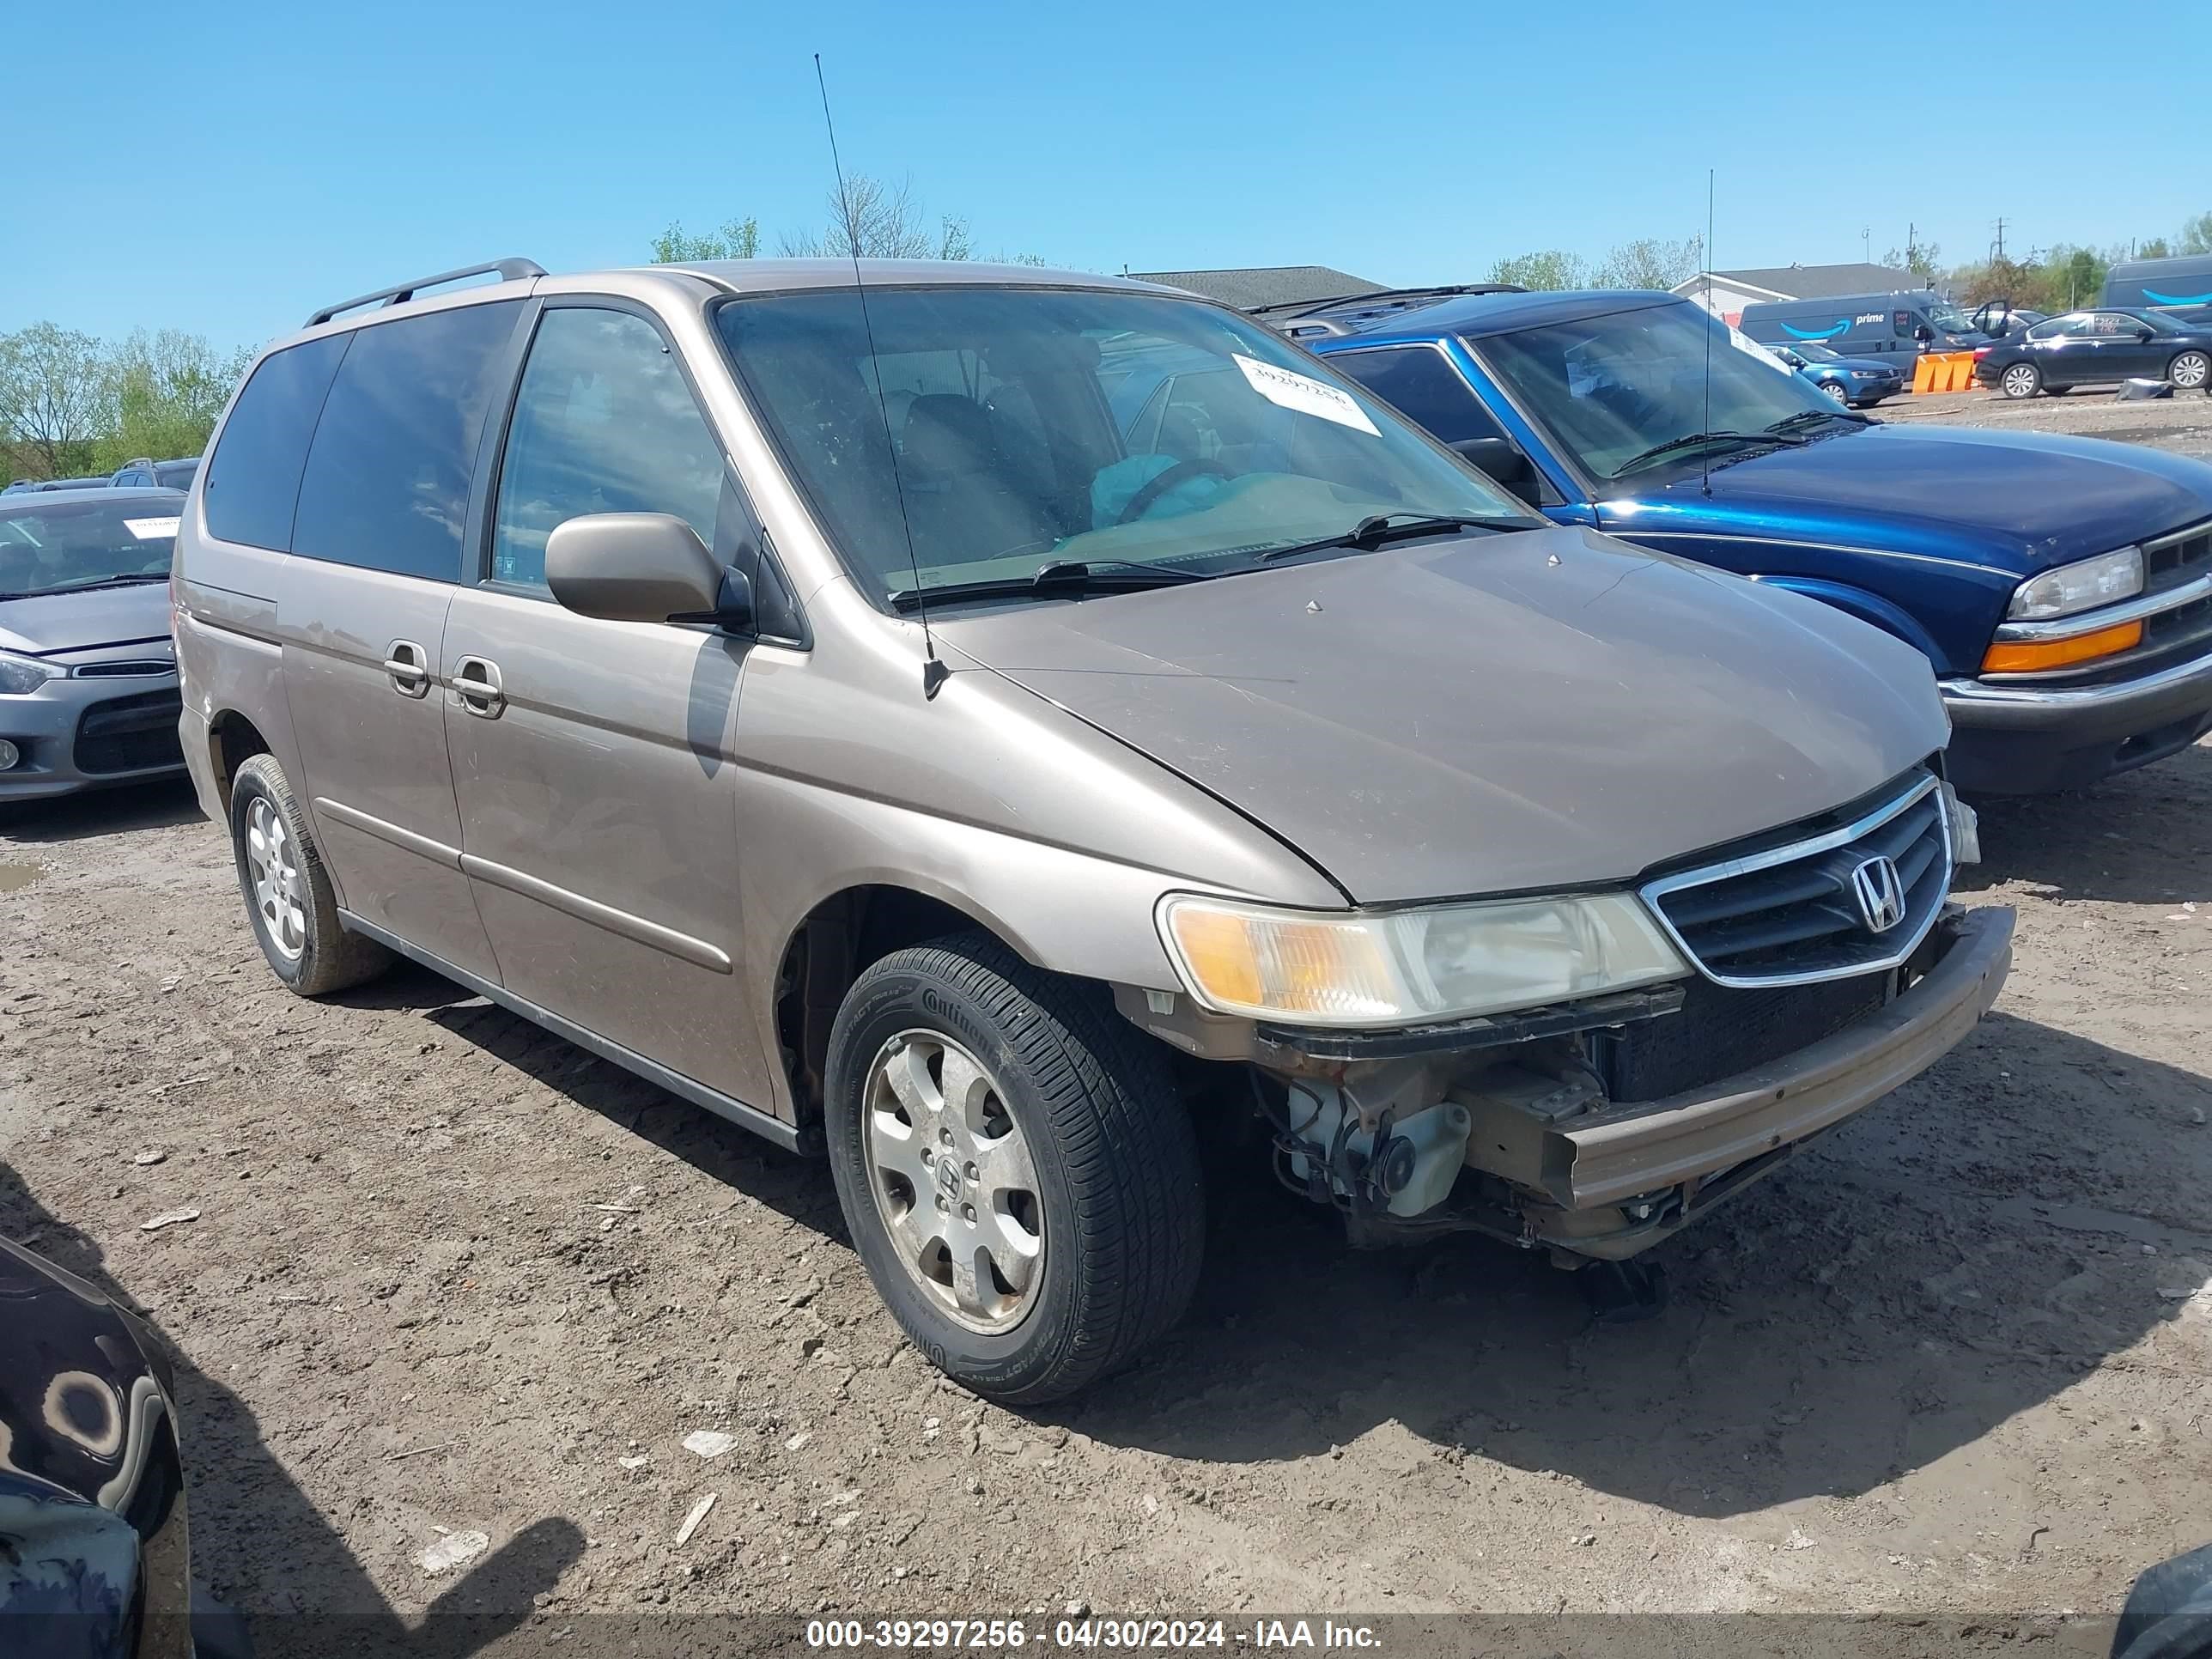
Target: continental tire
{"x":288,"y":900}
{"x":1020,"y":1178}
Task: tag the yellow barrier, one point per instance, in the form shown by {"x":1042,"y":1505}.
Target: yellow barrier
{"x":1944,"y":371}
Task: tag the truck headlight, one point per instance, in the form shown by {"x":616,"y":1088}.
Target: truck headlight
{"x":2081,"y":586}
{"x":19,"y":675}
{"x":1410,"y":967}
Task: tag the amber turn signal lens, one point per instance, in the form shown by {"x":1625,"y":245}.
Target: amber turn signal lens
{"x":2028,"y":656}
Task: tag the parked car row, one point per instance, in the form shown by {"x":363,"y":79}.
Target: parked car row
{"x":996,"y":727}
{"x":141,"y":474}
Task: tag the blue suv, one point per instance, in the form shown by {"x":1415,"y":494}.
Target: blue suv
{"x":2060,"y":586}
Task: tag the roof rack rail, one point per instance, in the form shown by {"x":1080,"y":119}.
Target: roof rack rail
{"x":510,"y":270}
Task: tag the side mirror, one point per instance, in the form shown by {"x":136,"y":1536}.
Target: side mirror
{"x":1500,"y":458}
{"x":642,"y":567}
{"x":2145,"y":336}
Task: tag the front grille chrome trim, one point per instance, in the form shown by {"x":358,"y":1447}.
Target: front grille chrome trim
{"x":1909,"y":939}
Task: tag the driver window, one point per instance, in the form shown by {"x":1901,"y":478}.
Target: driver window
{"x":603,"y":422}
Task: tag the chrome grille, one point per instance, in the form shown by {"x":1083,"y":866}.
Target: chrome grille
{"x":1848,"y":898}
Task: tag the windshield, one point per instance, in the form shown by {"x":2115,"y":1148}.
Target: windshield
{"x":1815,"y":353}
{"x":1609,"y":389}
{"x":1036,"y":425}
{"x":1948,"y":318}
{"x":66,"y":542}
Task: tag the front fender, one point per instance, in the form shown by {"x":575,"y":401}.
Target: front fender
{"x":1884,"y":614}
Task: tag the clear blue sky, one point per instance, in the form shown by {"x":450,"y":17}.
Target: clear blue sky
{"x":226,"y":169}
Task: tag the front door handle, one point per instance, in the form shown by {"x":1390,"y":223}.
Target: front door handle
{"x":408,"y":666}
{"x":476,"y":679}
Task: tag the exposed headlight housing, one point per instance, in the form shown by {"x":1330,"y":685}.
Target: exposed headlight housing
{"x":2082,"y":586}
{"x":1382,"y":969}
{"x":19,"y":675}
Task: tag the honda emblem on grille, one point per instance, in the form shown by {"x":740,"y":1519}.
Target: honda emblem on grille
{"x":1880,"y":894}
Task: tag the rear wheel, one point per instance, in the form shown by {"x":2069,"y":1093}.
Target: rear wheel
{"x":2020,"y":380}
{"x":289,"y":896}
{"x":1019,"y":1176}
{"x":2190,"y":370}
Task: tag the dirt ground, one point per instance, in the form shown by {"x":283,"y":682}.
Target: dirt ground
{"x":449,"y":1274}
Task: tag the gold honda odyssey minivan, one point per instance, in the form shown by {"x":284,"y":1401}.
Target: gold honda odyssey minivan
{"x":994,"y":727}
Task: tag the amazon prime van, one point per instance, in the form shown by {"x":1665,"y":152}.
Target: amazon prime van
{"x":2184,"y":281}
{"x":1866,"y":324}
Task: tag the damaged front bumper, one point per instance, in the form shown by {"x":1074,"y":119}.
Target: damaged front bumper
{"x":1552,"y":1159}
{"x":1616,"y":1180}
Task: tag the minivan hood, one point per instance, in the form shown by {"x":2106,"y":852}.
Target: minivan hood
{"x":54,"y":625}
{"x":2020,"y":501}
{"x":1486,"y":714}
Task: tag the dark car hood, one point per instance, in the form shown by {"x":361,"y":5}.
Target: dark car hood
{"x":1490,"y":714}
{"x":2019,"y":501}
{"x":52,"y":624}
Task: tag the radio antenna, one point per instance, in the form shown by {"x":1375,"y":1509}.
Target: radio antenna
{"x":1706,"y":482}
{"x":933,"y":671}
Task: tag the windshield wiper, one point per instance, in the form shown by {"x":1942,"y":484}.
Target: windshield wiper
{"x":1055,"y":576}
{"x":1372,"y":531}
{"x":130,"y":581}
{"x":1696,"y":439}
{"x":1805,"y":418}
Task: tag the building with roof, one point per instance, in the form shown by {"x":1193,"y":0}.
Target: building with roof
{"x":1726,"y":293}
{"x":1263,"y":285}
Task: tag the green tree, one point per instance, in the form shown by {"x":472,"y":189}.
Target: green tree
{"x":1649,"y":263}
{"x":870,"y":218}
{"x":2197,"y":234}
{"x":1550,"y":269}
{"x":164,"y":391}
{"x":738,"y":238}
{"x":2156,"y":248}
{"x":1919,"y":259}
{"x":54,"y":397}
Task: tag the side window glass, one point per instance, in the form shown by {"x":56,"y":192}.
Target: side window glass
{"x":603,"y":422}
{"x":387,"y":480}
{"x":1425,"y":388}
{"x":254,"y":477}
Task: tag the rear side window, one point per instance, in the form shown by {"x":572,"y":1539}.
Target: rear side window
{"x":387,"y":485}
{"x":253,"y":477}
{"x":1424,"y":387}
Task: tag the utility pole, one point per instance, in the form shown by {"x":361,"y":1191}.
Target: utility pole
{"x":1866,"y":239}
{"x":1911,"y":247}
{"x":2001,"y":230}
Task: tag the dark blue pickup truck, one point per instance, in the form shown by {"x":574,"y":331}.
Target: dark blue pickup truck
{"x":2060,"y":586}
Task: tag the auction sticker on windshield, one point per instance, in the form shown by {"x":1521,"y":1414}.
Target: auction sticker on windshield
{"x":1286,"y":389}
{"x":152,"y":530}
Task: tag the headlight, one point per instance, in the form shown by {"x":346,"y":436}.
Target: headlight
{"x":1410,"y":967}
{"x":2082,"y":587}
{"x":20,"y":674}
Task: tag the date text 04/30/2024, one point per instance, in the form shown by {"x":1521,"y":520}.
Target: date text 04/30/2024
{"x":1003,"y":1635}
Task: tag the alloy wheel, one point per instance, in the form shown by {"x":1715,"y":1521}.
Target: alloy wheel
{"x":2020,"y":380}
{"x":272,"y":866}
{"x":953,"y":1181}
{"x":2191,"y":370}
